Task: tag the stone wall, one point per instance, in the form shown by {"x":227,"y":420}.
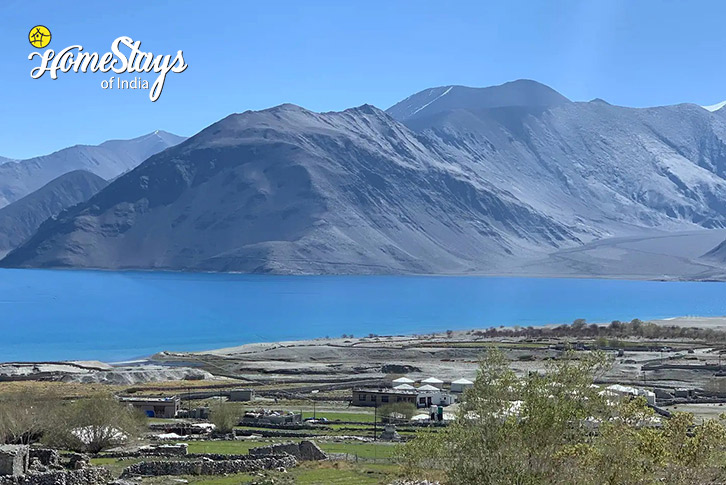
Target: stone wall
{"x":45,"y":456}
{"x":180,"y":449}
{"x":86,"y":476}
{"x":14,"y":460}
{"x":208,"y":466}
{"x":305,"y":450}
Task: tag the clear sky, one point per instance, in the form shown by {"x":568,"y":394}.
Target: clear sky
{"x":330,"y":55}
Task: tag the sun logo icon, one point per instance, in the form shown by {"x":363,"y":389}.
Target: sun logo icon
{"x":39,"y":36}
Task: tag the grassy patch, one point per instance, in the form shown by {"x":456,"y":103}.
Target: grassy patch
{"x":317,"y":473}
{"x":227,"y":447}
{"x":360,"y":417}
{"x":114,"y":465}
{"x":344,"y":473}
{"x":362,"y":450}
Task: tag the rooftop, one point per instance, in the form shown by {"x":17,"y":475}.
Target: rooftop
{"x":148,"y":399}
{"x":386,"y":390}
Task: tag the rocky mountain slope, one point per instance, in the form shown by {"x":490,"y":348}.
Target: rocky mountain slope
{"x":450,"y":180}
{"x":107,"y":160}
{"x":20,"y":220}
{"x":605,"y":169}
{"x":291,"y":191}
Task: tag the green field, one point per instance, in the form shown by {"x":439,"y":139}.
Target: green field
{"x":310,"y":474}
{"x":227,"y":447}
{"x":357,"y":417}
{"x":362,"y":450}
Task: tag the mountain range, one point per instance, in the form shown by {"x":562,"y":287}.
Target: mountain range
{"x":19,"y":178}
{"x":20,"y":219}
{"x":511,"y":179}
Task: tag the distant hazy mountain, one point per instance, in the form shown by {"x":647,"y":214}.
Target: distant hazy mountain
{"x":467,"y":180}
{"x":292,"y":191}
{"x":107,"y":160}
{"x":446,"y":98}
{"x":718,"y":253}
{"x":19,"y":220}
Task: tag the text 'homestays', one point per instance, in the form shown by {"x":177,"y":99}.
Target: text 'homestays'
{"x":125,"y":57}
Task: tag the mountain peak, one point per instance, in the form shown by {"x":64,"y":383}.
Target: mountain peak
{"x":367,"y":109}
{"x":600,"y":101}
{"x":521,"y":92}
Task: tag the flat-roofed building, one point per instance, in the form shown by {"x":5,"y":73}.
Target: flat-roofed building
{"x":154,"y":407}
{"x":381,"y":397}
{"x":241,"y":395}
{"x":428,"y":395}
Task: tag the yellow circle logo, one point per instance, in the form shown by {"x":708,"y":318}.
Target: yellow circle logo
{"x":39,"y":36}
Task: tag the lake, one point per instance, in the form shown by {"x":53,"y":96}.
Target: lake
{"x":112,"y":316}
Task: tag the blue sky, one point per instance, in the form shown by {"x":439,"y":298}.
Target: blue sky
{"x":330,"y":55}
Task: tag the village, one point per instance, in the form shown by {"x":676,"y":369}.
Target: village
{"x":314,"y":411}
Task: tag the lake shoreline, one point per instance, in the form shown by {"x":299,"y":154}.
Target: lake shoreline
{"x":291,"y":357}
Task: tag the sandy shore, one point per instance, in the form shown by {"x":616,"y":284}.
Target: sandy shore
{"x":448,"y":356}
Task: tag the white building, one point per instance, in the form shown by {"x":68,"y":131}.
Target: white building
{"x":428,"y":395}
{"x":631,"y":391}
{"x":460,"y":385}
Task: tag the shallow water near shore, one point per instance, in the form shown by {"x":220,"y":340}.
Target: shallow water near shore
{"x":50,"y":315}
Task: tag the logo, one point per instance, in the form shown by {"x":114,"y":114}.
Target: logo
{"x":125,"y":57}
{"x":39,"y":36}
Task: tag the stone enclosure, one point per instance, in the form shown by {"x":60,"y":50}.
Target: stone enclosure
{"x":305,"y":450}
{"x":207,"y":466}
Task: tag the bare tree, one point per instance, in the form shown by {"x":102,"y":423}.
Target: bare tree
{"x":23,"y":416}
{"x":94,"y":424}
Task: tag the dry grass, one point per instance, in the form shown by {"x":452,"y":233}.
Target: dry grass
{"x":61,"y":390}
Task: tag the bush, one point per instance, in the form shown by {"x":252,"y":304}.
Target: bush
{"x":397,"y":410}
{"x":224,"y":416}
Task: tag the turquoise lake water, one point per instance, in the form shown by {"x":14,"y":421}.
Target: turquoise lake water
{"x":111,"y":316}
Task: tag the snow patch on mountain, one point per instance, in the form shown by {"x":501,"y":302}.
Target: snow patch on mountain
{"x":715,"y":107}
{"x":437,"y":97}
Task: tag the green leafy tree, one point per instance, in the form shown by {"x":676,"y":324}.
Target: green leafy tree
{"x":556,"y":427}
{"x":224,"y":416}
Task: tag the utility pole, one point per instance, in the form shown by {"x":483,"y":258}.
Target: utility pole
{"x":375,"y":420}
{"x":313,"y":393}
